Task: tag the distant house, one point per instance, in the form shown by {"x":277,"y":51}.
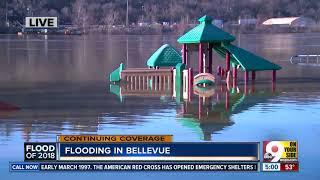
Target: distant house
{"x":245,"y":21}
{"x":290,"y":22}
{"x":165,"y":23}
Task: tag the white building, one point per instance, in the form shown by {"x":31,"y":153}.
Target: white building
{"x":290,"y":22}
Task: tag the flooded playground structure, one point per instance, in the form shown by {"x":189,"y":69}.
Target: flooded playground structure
{"x":207,"y":96}
{"x":168,"y":69}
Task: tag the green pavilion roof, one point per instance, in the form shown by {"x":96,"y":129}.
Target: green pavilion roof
{"x":165,"y":56}
{"x":205,"y":32}
{"x":247,"y":60}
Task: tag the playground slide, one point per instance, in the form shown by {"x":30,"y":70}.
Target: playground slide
{"x":115,"y":76}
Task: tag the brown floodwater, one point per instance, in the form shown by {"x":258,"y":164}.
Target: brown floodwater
{"x":59,"y":85}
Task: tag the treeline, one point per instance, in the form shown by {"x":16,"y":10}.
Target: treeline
{"x":113,"y":12}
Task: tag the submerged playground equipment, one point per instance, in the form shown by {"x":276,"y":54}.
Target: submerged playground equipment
{"x":168,"y":68}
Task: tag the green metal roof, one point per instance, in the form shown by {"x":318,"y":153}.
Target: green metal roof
{"x":247,"y":60}
{"x":165,"y":56}
{"x":205,"y":32}
{"x":115,"y":75}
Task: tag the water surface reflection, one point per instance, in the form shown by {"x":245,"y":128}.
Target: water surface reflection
{"x":58,"y":85}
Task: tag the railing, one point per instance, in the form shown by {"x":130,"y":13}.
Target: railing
{"x":311,"y":60}
{"x":147,"y":82}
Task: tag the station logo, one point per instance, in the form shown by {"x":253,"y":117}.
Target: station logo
{"x":280,"y":151}
{"x":41,"y":22}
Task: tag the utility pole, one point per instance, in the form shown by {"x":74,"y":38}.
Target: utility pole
{"x":127,"y":17}
{"x":171,"y":13}
{"x":142,"y":13}
{"x":7,"y":24}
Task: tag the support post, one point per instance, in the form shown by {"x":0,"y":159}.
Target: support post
{"x":274,"y":76}
{"x":171,"y":81}
{"x":131,"y":82}
{"x":183,"y":108}
{"x":253,"y":73}
{"x":184,"y":53}
{"x":227,"y":100}
{"x":159,"y":82}
{"x":234,"y":77}
{"x":227,"y":61}
{"x":219,"y":71}
{"x":190,"y":79}
{"x":246,"y":79}
{"x":200,"y":59}
{"x":153,"y":80}
{"x":253,"y":89}
{"x":253,"y":77}
{"x":135,"y":82}
{"x":128,"y":80}
{"x":210,"y":58}
{"x":199,"y":108}
{"x":139,"y":83}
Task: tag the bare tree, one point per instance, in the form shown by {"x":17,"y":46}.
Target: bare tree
{"x":110,"y":19}
{"x":80,"y":14}
{"x":182,"y":26}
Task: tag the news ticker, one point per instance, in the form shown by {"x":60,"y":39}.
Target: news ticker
{"x":134,"y":166}
{"x":140,"y":152}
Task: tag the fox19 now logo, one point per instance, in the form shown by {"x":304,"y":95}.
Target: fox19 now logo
{"x":41,"y":22}
{"x":280,"y":151}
